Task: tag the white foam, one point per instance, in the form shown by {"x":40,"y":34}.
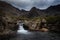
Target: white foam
{"x":22,"y":30}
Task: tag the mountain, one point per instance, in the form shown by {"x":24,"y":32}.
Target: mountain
{"x":34,"y":12}
{"x":8,"y":9}
{"x":53,"y":10}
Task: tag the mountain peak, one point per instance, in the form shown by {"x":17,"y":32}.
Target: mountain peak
{"x":33,"y":9}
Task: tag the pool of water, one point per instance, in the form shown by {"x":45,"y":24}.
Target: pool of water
{"x":37,"y":36}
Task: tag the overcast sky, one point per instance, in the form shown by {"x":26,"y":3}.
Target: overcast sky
{"x":28,"y":4}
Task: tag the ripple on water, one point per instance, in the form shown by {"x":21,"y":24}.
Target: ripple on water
{"x":37,"y":36}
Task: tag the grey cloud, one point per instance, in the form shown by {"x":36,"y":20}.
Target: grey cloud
{"x":56,"y":2}
{"x":28,"y":4}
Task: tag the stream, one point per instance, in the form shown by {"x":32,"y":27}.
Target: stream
{"x":23,"y":34}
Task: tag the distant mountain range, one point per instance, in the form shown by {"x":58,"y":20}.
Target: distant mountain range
{"x":34,"y":12}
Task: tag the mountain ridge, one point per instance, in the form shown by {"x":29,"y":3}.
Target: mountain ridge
{"x":34,"y":12}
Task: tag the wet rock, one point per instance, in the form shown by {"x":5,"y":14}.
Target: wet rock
{"x":25,"y":27}
{"x":44,"y":30}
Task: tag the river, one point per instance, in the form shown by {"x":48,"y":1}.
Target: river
{"x":23,"y":34}
{"x":37,"y":36}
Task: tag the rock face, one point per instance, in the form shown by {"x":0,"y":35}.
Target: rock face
{"x":35,"y":24}
{"x":7,"y":27}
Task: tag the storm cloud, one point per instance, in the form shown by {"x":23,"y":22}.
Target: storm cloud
{"x":28,"y":4}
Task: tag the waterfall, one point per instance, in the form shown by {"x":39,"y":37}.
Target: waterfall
{"x":21,"y":29}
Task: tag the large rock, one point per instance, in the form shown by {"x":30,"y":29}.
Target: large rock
{"x":35,"y":25}
{"x":8,"y":27}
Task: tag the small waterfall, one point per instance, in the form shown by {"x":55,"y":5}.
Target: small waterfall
{"x":21,"y":29}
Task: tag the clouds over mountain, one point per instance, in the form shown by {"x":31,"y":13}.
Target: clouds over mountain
{"x":28,"y":4}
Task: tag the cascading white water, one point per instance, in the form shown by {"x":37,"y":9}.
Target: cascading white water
{"x":21,"y":29}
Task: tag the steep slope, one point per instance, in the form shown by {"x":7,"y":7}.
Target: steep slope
{"x":53,"y":10}
{"x":8,"y":8}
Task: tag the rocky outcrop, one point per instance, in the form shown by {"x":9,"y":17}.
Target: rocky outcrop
{"x":7,"y":27}
{"x":36,"y":25}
